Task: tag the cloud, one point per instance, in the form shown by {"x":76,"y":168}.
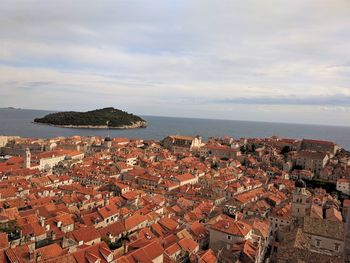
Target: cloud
{"x":334,"y":100}
{"x":171,"y":56}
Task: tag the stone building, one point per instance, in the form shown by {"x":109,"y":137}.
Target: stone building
{"x":181,"y":144}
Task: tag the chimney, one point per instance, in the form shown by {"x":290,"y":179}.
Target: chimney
{"x":38,"y":257}
{"x":42,"y":221}
{"x":31,"y":252}
{"x":106,"y":200}
{"x":125,"y":246}
{"x":31,"y":255}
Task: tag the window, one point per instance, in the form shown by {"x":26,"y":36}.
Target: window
{"x":336,"y":246}
{"x":318,"y":242}
{"x":228,"y":237}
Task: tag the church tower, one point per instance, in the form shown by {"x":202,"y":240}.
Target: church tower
{"x":299,"y":200}
{"x":107,"y":142}
{"x":27,"y":158}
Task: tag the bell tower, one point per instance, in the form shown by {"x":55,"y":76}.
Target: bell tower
{"x":299,"y":200}
{"x":27,"y":158}
{"x":107,"y":142}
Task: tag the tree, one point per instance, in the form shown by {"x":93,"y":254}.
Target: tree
{"x":286,"y":149}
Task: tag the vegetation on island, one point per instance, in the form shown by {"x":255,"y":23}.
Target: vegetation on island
{"x":106,"y":117}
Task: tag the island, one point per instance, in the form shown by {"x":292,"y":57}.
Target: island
{"x":106,"y":118}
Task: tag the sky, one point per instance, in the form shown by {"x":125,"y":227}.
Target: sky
{"x":271,"y":60}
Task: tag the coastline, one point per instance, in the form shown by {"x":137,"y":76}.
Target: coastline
{"x":136,"y":125}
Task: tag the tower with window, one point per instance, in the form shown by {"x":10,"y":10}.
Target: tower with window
{"x":299,"y":200}
{"x":27,"y":158}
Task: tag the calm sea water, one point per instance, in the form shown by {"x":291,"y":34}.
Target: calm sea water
{"x":19,"y":122}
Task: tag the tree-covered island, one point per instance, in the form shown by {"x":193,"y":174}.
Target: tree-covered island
{"x":101,"y":118}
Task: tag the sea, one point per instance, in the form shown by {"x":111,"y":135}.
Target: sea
{"x":20,"y":122}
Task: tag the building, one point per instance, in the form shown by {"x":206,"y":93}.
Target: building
{"x":319,"y":146}
{"x":326,"y":237}
{"x":343,"y":185}
{"x":299,"y":200}
{"x":226,"y":232}
{"x":3,"y":141}
{"x":220,"y":151}
{"x":319,"y":240}
{"x":47,"y":160}
{"x":181,"y":144}
{"x":311,"y":160}
{"x":107,"y":143}
{"x":281,"y":218}
{"x":183,"y":179}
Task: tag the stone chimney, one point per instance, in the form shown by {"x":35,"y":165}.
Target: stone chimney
{"x":53,"y":235}
{"x":31,"y":248}
{"x":38,"y":257}
{"x":42,"y":221}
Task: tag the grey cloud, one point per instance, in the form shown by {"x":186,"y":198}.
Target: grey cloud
{"x":334,"y":100}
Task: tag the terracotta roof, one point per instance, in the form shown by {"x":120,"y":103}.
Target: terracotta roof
{"x":134,"y":221}
{"x":4,"y":242}
{"x":85,"y":234}
{"x":108,"y":211}
{"x":51,"y":251}
{"x":145,"y":254}
{"x":324,"y":228}
{"x":208,"y":257}
{"x":171,"y":250}
{"x":184,"y":177}
{"x":114,"y":229}
{"x":328,"y":143}
{"x":189,"y":245}
{"x":232,"y":227}
{"x":312,"y":155}
{"x":168,"y":223}
{"x":246,"y":248}
{"x":99,"y":251}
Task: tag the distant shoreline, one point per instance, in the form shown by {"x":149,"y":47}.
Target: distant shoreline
{"x":20,"y":123}
{"x":138,"y":125}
